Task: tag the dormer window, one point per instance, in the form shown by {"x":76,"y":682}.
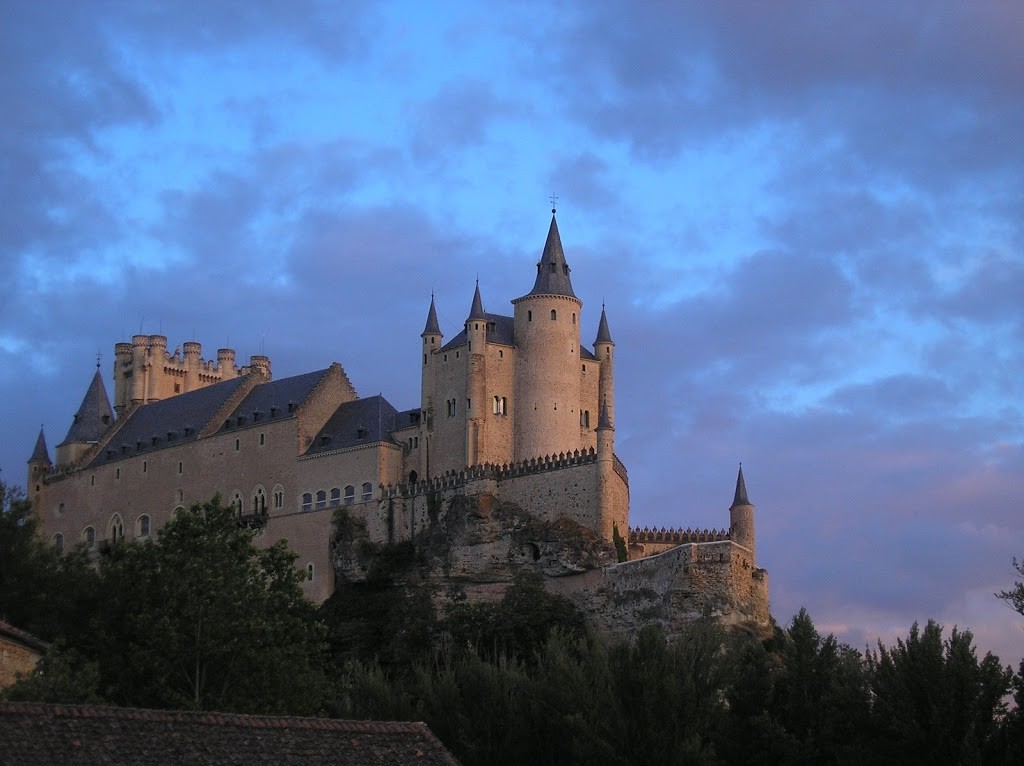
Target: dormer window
{"x":325,"y":440}
{"x":361,"y":433}
{"x":273,"y":412}
{"x":106,"y":420}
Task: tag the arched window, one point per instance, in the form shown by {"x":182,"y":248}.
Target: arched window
{"x":554,"y":315}
{"x":321,"y":499}
{"x":142,"y":526}
{"x":307,"y":501}
{"x":574,"y":317}
{"x":177,"y":510}
{"x":335,"y":497}
{"x":89,"y":536}
{"x":367,"y":491}
{"x":278,"y":496}
{"x":115,"y":530}
{"x":529,"y":316}
{"x":58,"y":542}
{"x":259,"y":500}
{"x":350,"y":494}
{"x":496,"y":406}
{"x":585,"y":418}
{"x":236,"y":501}
{"x":309,"y":571}
{"x":413,"y":478}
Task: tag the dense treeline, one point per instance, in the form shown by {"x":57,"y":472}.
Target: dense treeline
{"x":202,"y":618}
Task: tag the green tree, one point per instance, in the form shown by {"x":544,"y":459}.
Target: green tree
{"x":204,"y":619}
{"x":41,"y":591}
{"x":934,"y":702}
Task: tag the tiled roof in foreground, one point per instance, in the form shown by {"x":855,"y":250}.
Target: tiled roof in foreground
{"x":33,"y":734}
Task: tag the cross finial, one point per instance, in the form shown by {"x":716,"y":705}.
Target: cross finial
{"x":554,"y":203}
{"x":99,"y":356}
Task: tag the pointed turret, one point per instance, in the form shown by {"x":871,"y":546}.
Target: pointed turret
{"x":740,"y":497}
{"x":432,"y":327}
{"x":40,"y":455}
{"x":603,"y":333}
{"x":741,"y":517}
{"x":552,"y":270}
{"x":92,"y":420}
{"x":476,"y":311}
{"x":604,"y":420}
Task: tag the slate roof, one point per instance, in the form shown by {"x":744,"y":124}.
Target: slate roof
{"x":740,"y":498}
{"x":184,"y":415}
{"x":33,"y":734}
{"x":502,"y":332}
{"x":476,"y":311}
{"x":275,"y":395}
{"x":431,"y":327}
{"x":407,"y":418}
{"x":94,"y":415}
{"x":40,"y":453}
{"x":363,"y":421}
{"x":552,"y":270}
{"x":603,"y":334}
{"x":22,"y":637}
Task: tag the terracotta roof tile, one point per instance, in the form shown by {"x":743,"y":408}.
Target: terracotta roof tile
{"x":33,"y":734}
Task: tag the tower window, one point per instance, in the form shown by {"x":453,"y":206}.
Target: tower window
{"x":554,"y":315}
{"x":238,"y":444}
{"x":263,"y":439}
{"x":179,"y":468}
{"x":58,"y":542}
{"x":585,"y":418}
{"x":92,"y":480}
{"x":309,"y":572}
{"x":145,"y":465}
{"x":529,"y":316}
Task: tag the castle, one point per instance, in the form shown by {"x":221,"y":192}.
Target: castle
{"x":515,"y":413}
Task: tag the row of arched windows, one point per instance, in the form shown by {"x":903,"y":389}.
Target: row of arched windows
{"x":258,"y":502}
{"x":115,"y":532}
{"x":321,"y":499}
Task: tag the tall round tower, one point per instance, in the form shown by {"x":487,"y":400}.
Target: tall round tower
{"x":157,"y":359}
{"x":432,"y":337}
{"x":741,"y":517}
{"x":547,"y":368}
{"x":140,"y":368}
{"x":193,"y":364}
{"x":122,"y":366}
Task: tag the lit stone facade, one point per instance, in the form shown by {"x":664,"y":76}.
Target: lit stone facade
{"x":513,"y":408}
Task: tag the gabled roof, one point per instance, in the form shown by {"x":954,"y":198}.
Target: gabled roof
{"x":40,"y":454}
{"x":552,"y":270}
{"x":363,"y":421}
{"x":171,"y":421}
{"x":94,"y":415}
{"x":35,"y":734}
{"x":432,"y":327}
{"x":740,"y":497}
{"x":270,"y":400}
{"x":500,"y":330}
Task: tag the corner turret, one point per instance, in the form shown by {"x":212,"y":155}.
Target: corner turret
{"x":741,"y":517}
{"x":476,"y":377}
{"x":432,"y":337}
{"x":38,"y":466}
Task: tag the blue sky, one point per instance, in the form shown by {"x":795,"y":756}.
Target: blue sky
{"x":805,"y":219}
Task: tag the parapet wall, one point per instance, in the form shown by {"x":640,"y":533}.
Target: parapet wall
{"x":650,"y":542}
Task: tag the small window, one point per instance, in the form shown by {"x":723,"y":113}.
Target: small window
{"x":89,"y":536}
{"x":335,"y":497}
{"x":529,"y":316}
{"x":307,"y":501}
{"x":446,"y":357}
{"x":554,"y":315}
{"x":574,"y":317}
{"x":259,"y":500}
{"x":350,"y":494}
{"x":181,"y":495}
{"x":367,"y":491}
{"x":177,"y":388}
{"x":58,"y":542}
{"x":585,"y":418}
{"x":117,"y":473}
{"x":263,"y":439}
{"x":496,"y":405}
{"x":180,"y":468}
{"x":92,"y":480}
{"x":321,"y":500}
{"x":178,"y":510}
{"x":115,"y":531}
{"x":278,"y":496}
{"x":236,"y":501}
{"x":145,"y":465}
{"x":142,"y":526}
{"x":504,"y":405}
{"x":238,"y":444}
{"x":501,"y":354}
{"x":456,"y":354}
{"x":60,"y":509}
{"x":309,"y":572}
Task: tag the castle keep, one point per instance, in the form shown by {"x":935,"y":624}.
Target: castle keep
{"x":508,"y":463}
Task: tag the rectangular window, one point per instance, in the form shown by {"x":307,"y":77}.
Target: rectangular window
{"x":145,"y":465}
{"x":117,"y":473}
{"x":179,"y":468}
{"x":263,"y":439}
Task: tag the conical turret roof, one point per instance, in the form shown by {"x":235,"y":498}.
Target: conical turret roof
{"x":604,"y":419}
{"x":740,"y":498}
{"x":603,"y":334}
{"x":94,"y":416}
{"x":40,"y":454}
{"x":432,"y":327}
{"x":476,"y":311}
{"x":552,"y":270}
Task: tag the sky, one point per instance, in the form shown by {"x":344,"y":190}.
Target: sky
{"x":806,"y":220}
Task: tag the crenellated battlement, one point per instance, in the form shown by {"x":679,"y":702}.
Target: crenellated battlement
{"x":676,"y":536}
{"x":491,"y":471}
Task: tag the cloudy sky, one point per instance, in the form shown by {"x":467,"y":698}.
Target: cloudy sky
{"x":806,"y":220}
